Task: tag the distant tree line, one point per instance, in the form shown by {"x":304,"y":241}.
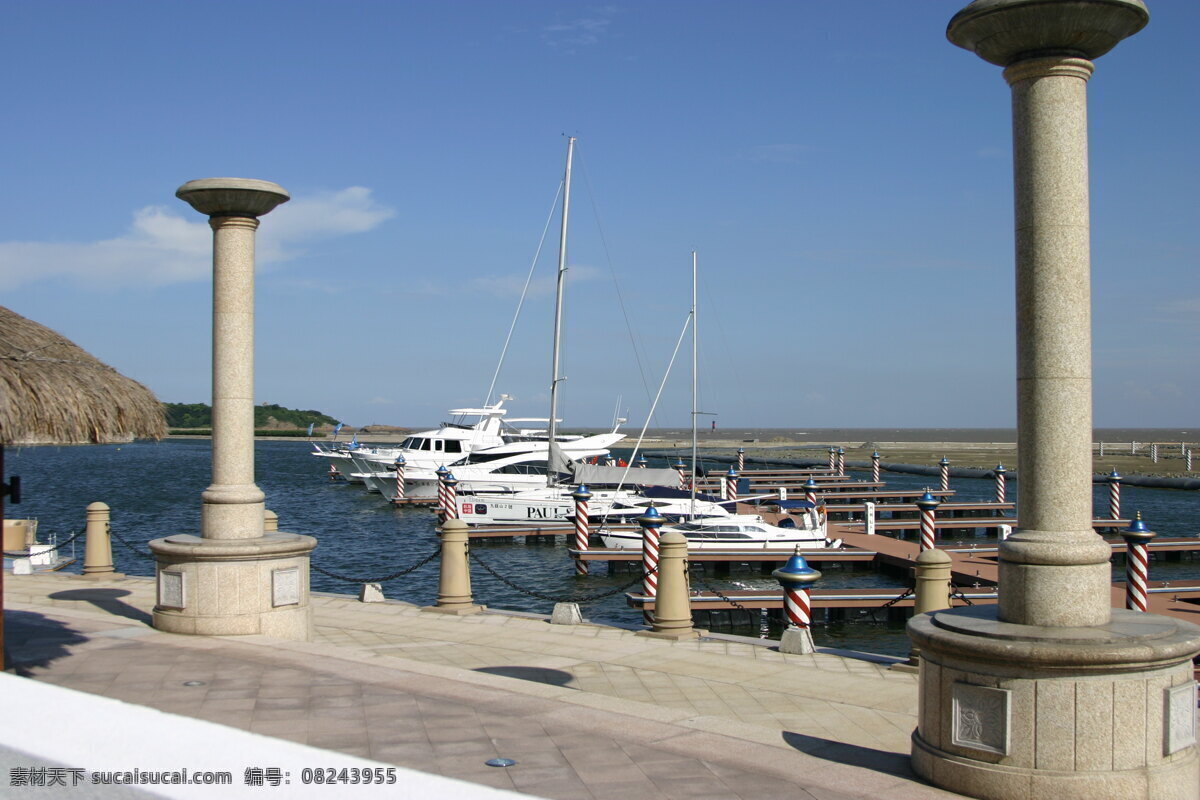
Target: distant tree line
{"x":199,"y":415}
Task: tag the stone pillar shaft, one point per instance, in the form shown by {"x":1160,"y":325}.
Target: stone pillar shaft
{"x":233,"y":505}
{"x":1056,"y":553}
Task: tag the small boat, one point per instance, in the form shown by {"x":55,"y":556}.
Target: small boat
{"x":737,"y":532}
{"x":25,"y":555}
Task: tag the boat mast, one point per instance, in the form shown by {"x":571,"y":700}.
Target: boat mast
{"x":558,"y":300}
{"x":695,"y":408}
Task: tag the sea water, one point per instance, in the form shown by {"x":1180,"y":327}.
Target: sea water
{"x":154,"y":490}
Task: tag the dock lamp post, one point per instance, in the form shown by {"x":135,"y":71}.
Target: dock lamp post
{"x":1052,"y":692}
{"x":796,"y":576}
{"x":731,"y":479}
{"x":741,"y":459}
{"x":875,"y":467}
{"x":583,"y":532}
{"x":1114,"y":494}
{"x":640,"y":462}
{"x":1137,"y":564}
{"x":235,"y":577}
{"x":944,"y":473}
{"x":1001,"y":489}
{"x":810,"y":491}
{"x":443,"y":500}
{"x":832,"y":459}
{"x":681,"y":468}
{"x":451,"y":484}
{"x":927,"y":504}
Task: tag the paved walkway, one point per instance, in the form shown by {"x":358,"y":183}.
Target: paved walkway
{"x":585,"y":711}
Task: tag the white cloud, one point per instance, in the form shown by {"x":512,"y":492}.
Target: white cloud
{"x":580,"y":32}
{"x":163,"y":247}
{"x":511,"y":285}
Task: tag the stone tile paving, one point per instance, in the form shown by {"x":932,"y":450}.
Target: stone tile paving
{"x":600,"y":712}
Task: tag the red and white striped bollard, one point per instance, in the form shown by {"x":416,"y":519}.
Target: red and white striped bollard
{"x":741,"y":459}
{"x":583,"y":531}
{"x":1137,"y":564}
{"x":1001,"y":489}
{"x":875,"y":467}
{"x":928,"y":505}
{"x":399,"y":480}
{"x":731,"y":479}
{"x":944,"y":472}
{"x":651,"y":523}
{"x":1114,"y":495}
{"x":796,"y":576}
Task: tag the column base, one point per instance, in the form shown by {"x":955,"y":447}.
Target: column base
{"x":797,"y":641}
{"x":676,"y":635}
{"x":458,"y":611}
{"x":1018,"y":711}
{"x":223,"y":587}
{"x":99,"y":576}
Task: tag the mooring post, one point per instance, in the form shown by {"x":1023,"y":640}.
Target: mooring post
{"x":443,"y":511}
{"x":944,"y":472}
{"x":796,"y":576}
{"x":651,"y":522}
{"x":681,"y":468}
{"x":741,"y":459}
{"x":1114,"y":495}
{"x":672,"y":604}
{"x":841,"y":462}
{"x":832,"y":459}
{"x":810,"y":491}
{"x":875,"y":467}
{"x":454,"y":579}
{"x":451,"y":484}
{"x":731,"y":479}
{"x":400,"y":462}
{"x":928,"y":506}
{"x":1001,"y":489}
{"x":1137,"y":564}
{"x":583,"y":531}
{"x":97,"y":554}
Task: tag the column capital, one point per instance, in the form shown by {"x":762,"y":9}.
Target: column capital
{"x":232,"y":197}
{"x":1049,"y":67}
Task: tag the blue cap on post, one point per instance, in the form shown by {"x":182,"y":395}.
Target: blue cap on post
{"x":732,"y":473}
{"x":450,"y":479}
{"x":875,"y":454}
{"x":441,"y":471}
{"x":841,"y":452}
{"x":1000,"y":469}
{"x":679,"y":463}
{"x":796,"y":572}
{"x":927,"y":502}
{"x":810,"y":485}
{"x":945,"y":462}
{"x":640,"y":460}
{"x":400,"y":461}
{"x":651,"y":519}
{"x":1138,"y":530}
{"x":1113,"y":477}
{"x":581,"y":492}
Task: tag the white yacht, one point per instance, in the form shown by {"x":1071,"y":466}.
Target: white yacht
{"x":738,"y":532}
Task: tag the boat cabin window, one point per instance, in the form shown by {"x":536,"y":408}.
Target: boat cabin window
{"x":453,"y":446}
{"x":425,"y":444}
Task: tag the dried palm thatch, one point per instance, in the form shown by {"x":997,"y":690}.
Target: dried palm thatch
{"x":52,"y":391}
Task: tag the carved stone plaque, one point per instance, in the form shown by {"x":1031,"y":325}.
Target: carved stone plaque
{"x":979,"y":717}
{"x":285,"y":586}
{"x":1179,"y":717}
{"x":171,"y":589}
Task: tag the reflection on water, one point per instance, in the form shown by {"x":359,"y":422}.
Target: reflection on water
{"x":154,"y":491}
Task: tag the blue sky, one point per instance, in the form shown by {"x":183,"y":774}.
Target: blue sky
{"x":843,"y":171}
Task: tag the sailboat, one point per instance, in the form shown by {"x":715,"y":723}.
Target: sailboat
{"x":706,"y":531}
{"x":552,"y":503}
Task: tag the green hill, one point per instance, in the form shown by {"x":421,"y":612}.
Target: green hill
{"x":199,"y":415}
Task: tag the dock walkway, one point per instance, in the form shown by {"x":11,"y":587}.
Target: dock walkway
{"x":586,"y":711}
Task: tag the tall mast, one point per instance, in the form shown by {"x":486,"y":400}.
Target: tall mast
{"x":695,"y":408}
{"x":558,"y":301}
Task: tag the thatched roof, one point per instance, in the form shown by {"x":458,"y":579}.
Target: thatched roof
{"x":52,"y":391}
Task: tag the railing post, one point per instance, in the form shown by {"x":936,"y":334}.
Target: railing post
{"x":97,"y":554}
{"x":454,"y":579}
{"x":672,"y":604}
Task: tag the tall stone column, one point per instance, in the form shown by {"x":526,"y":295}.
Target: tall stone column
{"x":1053,"y":693}
{"x":235,"y":578}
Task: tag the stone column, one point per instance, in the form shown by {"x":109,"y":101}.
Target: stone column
{"x":1054,"y":693}
{"x":236,"y":577}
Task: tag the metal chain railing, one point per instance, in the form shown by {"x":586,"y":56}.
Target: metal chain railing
{"x":720,"y":594}
{"x":398,"y":573}
{"x":550,"y":599}
{"x":129,"y":545}
{"x":52,"y":547}
{"x":906,"y":593}
{"x":957,"y":592}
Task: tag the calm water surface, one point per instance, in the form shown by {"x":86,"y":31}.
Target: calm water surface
{"x":154,"y":491}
